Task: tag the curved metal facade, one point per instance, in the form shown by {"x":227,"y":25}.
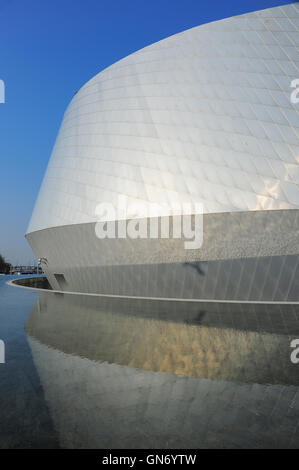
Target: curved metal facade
{"x":202,"y":116}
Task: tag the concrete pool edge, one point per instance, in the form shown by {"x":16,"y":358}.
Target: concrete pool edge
{"x":12,"y":283}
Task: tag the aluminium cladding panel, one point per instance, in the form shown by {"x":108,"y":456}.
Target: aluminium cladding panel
{"x":202,"y":116}
{"x":244,"y":256}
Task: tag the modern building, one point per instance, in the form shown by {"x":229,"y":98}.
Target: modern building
{"x":205,"y":116}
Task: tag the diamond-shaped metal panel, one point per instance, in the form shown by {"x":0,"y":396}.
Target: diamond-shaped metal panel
{"x":202,"y":116}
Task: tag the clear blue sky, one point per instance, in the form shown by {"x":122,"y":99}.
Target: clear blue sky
{"x":49,"y":49}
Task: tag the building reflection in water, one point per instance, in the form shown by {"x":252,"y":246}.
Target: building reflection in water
{"x":123,"y":373}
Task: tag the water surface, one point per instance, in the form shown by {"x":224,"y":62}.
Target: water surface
{"x":92,"y":372}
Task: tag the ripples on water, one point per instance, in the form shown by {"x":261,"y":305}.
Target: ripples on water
{"x":121,"y":373}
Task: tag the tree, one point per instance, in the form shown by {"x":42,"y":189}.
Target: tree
{"x":4,"y":266}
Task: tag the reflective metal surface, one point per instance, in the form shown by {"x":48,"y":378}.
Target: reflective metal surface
{"x":244,"y":256}
{"x":204,"y":115}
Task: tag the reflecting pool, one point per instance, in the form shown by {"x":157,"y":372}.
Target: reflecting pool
{"x":97,"y":372}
